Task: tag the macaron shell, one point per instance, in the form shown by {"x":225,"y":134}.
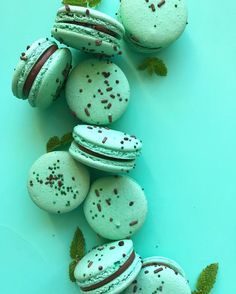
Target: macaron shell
{"x":49,"y":81}
{"x":152,"y":26}
{"x":116,"y":207}
{"x":98,"y":92}
{"x":155,"y":279}
{"x":24,"y":67}
{"x":99,"y":163}
{"x":106,"y":138}
{"x":57,"y":183}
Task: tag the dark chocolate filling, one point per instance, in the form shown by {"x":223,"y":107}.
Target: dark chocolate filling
{"x":161,"y":264}
{"x":90,"y":152}
{"x":36,"y":69}
{"x":116,"y":274}
{"x":95,"y":27}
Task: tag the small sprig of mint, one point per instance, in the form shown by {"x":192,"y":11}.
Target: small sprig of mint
{"x":207,"y":279}
{"x":154,"y":65}
{"x":56,"y":143}
{"x":77,"y":252}
{"x":84,"y":3}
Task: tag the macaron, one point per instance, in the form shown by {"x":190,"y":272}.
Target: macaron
{"x":153,"y":25}
{"x":97,"y":92}
{"x":57,"y":183}
{"x":41,"y":73}
{"x":88,"y":30}
{"x":108,"y":269}
{"x":116,"y":207}
{"x":105,"y":149}
{"x":159,"y":275}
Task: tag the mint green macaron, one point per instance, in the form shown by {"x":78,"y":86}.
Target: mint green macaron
{"x":108,"y":269}
{"x":159,"y":275}
{"x":105,"y":149}
{"x":88,"y":30}
{"x":116,"y":207}
{"x":41,"y":73}
{"x":57,"y":183}
{"x":153,"y":25}
{"x":97,"y":92}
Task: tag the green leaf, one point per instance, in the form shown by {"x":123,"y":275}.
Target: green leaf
{"x":84,"y":3}
{"x":207,"y":279}
{"x":72,"y":266}
{"x":154,"y":65}
{"x":55,"y":143}
{"x":77,"y":248}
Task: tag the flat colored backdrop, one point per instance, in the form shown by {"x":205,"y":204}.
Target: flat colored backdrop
{"x":187,"y":122}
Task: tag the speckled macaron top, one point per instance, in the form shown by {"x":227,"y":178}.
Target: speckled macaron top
{"x":97,"y":92}
{"x":88,"y":30}
{"x":108,"y":268}
{"x":41,"y":73}
{"x":57,"y":183}
{"x":116,"y":207}
{"x":153,"y":24}
{"x":159,"y":275}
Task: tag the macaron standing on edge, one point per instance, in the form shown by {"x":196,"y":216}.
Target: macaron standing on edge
{"x":88,"y":30}
{"x":41,"y":73}
{"x":159,"y":275}
{"x":153,"y":25}
{"x":116,"y":207}
{"x":57,"y":183}
{"x":105,"y":149}
{"x":108,"y":269}
{"x":97,"y":92}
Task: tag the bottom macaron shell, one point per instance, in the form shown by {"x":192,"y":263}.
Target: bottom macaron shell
{"x":57,"y":183}
{"x":85,"y":42}
{"x":49,"y":81}
{"x":159,"y":275}
{"x":121,"y":282}
{"x":100,"y":163}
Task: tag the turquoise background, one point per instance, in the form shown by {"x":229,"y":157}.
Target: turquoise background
{"x":187,"y":122}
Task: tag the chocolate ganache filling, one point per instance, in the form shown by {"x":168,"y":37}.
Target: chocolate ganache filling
{"x":116,"y":274}
{"x":90,"y":152}
{"x":36,"y":69}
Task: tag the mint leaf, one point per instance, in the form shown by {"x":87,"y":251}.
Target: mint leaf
{"x":154,"y":65}
{"x":77,"y":248}
{"x":207,"y":279}
{"x":72,"y":267}
{"x":55,"y":143}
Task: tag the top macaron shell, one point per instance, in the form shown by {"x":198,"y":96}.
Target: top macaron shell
{"x":116,"y":207}
{"x":162,"y":275}
{"x":153,"y":25}
{"x":49,"y":80}
{"x":97,"y":92}
{"x":104,"y":262}
{"x":57,"y":183}
{"x":88,"y":30}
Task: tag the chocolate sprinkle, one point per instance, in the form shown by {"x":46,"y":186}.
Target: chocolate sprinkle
{"x":133,"y":223}
{"x":161,"y":3}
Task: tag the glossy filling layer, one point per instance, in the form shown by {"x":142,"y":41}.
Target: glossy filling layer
{"x":116,"y":274}
{"x":95,"y":27}
{"x":90,"y":152}
{"x":36,"y":69}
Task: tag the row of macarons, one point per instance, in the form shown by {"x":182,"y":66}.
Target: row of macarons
{"x":59,"y":181}
{"x":116,"y":268}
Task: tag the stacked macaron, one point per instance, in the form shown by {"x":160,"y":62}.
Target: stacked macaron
{"x":98,"y":93}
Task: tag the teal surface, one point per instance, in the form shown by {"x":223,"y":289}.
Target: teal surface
{"x":187,"y":122}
